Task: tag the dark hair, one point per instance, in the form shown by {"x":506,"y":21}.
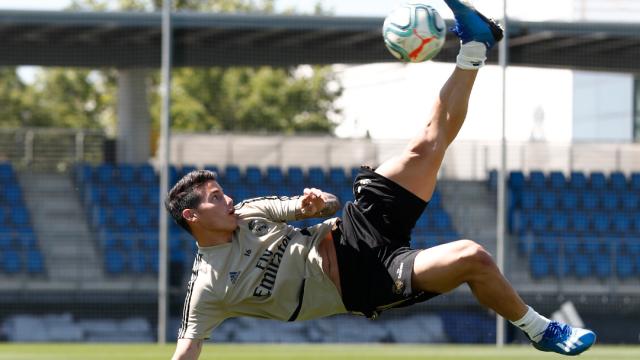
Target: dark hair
{"x":187,"y":194}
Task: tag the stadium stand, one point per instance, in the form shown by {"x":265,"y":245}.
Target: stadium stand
{"x":19,"y":250}
{"x":122,"y":201}
{"x":585,"y":226}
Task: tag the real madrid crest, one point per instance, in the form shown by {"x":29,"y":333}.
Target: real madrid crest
{"x":258,"y":227}
{"x":398,"y":287}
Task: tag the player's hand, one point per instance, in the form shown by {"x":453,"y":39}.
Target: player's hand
{"x":311,"y":201}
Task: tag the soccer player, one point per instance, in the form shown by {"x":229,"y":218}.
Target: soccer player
{"x":251,"y":263}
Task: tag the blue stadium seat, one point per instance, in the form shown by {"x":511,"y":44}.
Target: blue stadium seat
{"x":593,"y":245}
{"x":134,"y":196}
{"x":11,"y":261}
{"x":436,"y":200}
{"x":113,"y":195}
{"x":213,"y":168}
{"x":569,"y":200}
{"x":295,"y":176}
{"x":590,"y":200}
{"x":560,"y":222}
{"x":529,"y":199}
{"x":579,"y":222}
{"x":423,"y":224}
{"x":122,"y":217}
{"x":525,"y":244}
{"x":557,"y":180}
{"x":152,"y":195}
{"x":138,"y":261}
{"x":539,"y":222}
{"x":624,"y":266}
{"x":634,"y":183}
{"x":546,"y":244}
{"x":354,"y":172}
{"x":275,"y":175}
{"x":147,"y":175}
{"x":12,"y":193}
{"x":516,"y":180}
{"x":232,"y":175}
{"x":597,"y":180}
{"x":582,"y":266}
{"x":539,"y":265}
{"x":35,"y":262}
{"x":441,"y":221}
{"x":26,"y":240}
{"x":115,"y":262}
{"x":618,"y":181}
{"x":6,"y":173}
{"x":610,"y":200}
{"x":126,"y":174}
{"x":105,"y":173}
{"x":337,"y":176}
{"x":185,"y":169}
{"x":630,"y":201}
{"x":537,"y":180}
{"x":548,"y":200}
{"x":578,"y":180}
{"x":565,"y":265}
{"x":174,"y":174}
{"x":7,"y":241}
{"x":19,"y":216}
{"x":601,"y":223}
{"x":621,"y":223}
{"x":253,"y":175}
{"x":316,"y":176}
{"x":146,"y":217}
{"x":571,"y":244}
{"x":3,"y":216}
{"x":602,"y":264}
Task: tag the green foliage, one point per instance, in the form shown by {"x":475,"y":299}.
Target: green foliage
{"x":203,"y":99}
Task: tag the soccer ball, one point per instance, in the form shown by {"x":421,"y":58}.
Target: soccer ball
{"x":414,"y":32}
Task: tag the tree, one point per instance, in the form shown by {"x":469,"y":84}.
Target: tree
{"x":217,"y":98}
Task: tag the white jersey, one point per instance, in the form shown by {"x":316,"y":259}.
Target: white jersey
{"x":268,"y":270}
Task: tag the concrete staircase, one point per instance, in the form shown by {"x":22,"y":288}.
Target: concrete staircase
{"x":61,"y":226}
{"x":473,"y":210}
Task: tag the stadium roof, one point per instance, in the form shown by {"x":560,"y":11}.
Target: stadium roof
{"x":102,"y":39}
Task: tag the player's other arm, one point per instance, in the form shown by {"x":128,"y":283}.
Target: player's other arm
{"x":188,"y":349}
{"x":316,"y":203}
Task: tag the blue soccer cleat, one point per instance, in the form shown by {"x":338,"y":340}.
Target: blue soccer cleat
{"x":564,"y":339}
{"x":471,"y":25}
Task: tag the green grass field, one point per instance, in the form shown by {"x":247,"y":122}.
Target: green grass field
{"x":311,"y":352}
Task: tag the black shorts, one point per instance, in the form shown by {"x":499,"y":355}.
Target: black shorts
{"x":372,"y":245}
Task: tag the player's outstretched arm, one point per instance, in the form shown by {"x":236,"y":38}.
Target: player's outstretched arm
{"x":316,"y":203}
{"x":188,"y":349}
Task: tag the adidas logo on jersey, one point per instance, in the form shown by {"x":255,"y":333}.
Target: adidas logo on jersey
{"x":233,"y":276}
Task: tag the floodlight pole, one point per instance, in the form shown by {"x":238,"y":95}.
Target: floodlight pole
{"x":502,"y":186}
{"x":163,"y":156}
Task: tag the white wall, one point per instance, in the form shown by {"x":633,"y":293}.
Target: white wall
{"x":603,"y":106}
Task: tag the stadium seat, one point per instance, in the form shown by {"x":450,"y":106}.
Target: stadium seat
{"x":618,"y":181}
{"x":35,"y":262}
{"x":593,"y":245}
{"x":213,"y":168}
{"x":610,"y":200}
{"x":337,"y":176}
{"x":84,"y":174}
{"x":568,"y":200}
{"x":6,"y":173}
{"x":11,"y":261}
{"x":436,"y":199}
{"x":590,"y":200}
{"x":3,"y":215}
{"x":636,"y":223}
{"x":316,"y":176}
{"x":138,"y":261}
{"x":539,"y":265}
{"x":624,"y":266}
{"x":135,"y":196}
{"x":540,"y":223}
{"x":147,"y":175}
{"x":559,"y":222}
{"x":579,"y":222}
{"x":174,"y":174}
{"x":185,"y":169}
{"x":275,"y":176}
{"x":578,"y":180}
{"x":6,"y":241}
{"x":295,"y":176}
{"x":634,"y":183}
{"x":12,"y":193}
{"x":602,"y":265}
{"x":537,"y":180}
{"x":253,"y":175}
{"x":630,"y":201}
{"x":113,"y":195}
{"x":114,"y":262}
{"x":529,"y":199}
{"x":126,"y":173}
{"x":621,"y":223}
{"x":548,"y":200}
{"x":582,"y":266}
{"x":19,"y":216}
{"x":557,"y":180}
{"x":597,"y":181}
{"x":546,"y":244}
{"x":601,"y":223}
{"x":516,"y":180}
{"x":570,"y":244}
{"x":232,"y":175}
{"x":105,"y":174}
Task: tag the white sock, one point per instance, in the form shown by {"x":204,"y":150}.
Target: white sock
{"x":533,"y":324}
{"x":472,"y":55}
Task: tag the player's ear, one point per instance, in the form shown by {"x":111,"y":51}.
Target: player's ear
{"x":189,"y":215}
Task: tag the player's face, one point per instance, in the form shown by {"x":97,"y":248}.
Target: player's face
{"x":216,"y":212}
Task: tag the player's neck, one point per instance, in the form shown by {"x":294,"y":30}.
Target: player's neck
{"x":213,"y":238}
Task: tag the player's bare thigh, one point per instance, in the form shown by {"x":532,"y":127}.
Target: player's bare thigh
{"x":442,"y":268}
